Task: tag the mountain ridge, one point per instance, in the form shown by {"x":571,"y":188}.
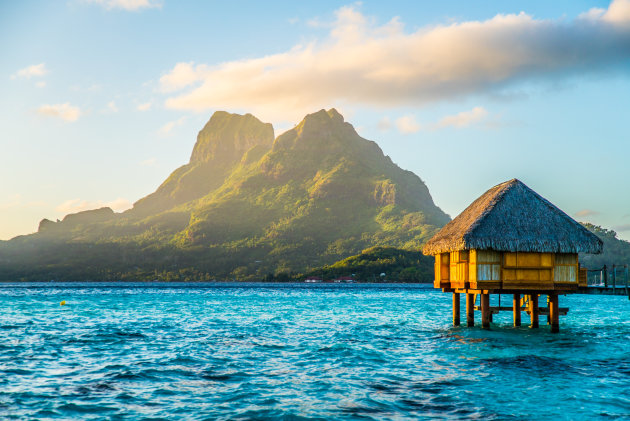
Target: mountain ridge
{"x":248,"y":204}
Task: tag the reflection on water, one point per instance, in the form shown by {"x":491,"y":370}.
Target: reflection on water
{"x":318,"y":352}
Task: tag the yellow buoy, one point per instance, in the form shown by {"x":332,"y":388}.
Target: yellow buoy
{"x":63,"y":303}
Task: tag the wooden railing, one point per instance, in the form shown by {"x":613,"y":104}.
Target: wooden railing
{"x":614,"y":281}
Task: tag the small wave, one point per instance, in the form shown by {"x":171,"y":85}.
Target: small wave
{"x":85,"y":408}
{"x":225,"y":377}
{"x":103,"y":387}
{"x":529,"y":363}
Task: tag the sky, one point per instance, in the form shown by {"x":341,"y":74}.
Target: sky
{"x":102,"y":99}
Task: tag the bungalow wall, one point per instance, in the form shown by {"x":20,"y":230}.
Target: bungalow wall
{"x":488,"y":269}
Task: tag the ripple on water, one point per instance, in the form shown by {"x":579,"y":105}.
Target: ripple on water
{"x":300,"y":353}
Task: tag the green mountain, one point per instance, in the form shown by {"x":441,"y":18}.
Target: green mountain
{"x":379,"y":264}
{"x":616,"y":251}
{"x":245,"y":207}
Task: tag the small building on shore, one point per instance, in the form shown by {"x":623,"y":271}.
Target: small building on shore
{"x":510,"y":241}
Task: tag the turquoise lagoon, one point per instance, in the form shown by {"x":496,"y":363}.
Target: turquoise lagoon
{"x":256,"y":351}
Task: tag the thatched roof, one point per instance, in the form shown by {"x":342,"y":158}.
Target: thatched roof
{"x":513,"y":217}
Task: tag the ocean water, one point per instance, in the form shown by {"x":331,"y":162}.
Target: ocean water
{"x":150,"y":351}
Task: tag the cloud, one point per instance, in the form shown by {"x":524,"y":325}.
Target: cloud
{"x":79,"y":205}
{"x":16,"y":201}
{"x":129,"y":5}
{"x":384,"y":124}
{"x":36,"y":70}
{"x":41,"y":84}
{"x":618,"y":13}
{"x":360,"y":62}
{"x":111,"y":105}
{"x":625,"y":227}
{"x":144,"y":107}
{"x":407,"y":125}
{"x":168,"y":127}
{"x":463,"y":119}
{"x":183,"y":75}
{"x":586,"y":212}
{"x":149,"y":162}
{"x":65,"y":111}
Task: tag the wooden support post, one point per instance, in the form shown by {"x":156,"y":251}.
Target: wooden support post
{"x":533,"y":310}
{"x":548,"y":306}
{"x":470,"y":310}
{"x":605,"y":275}
{"x":614,"y":278}
{"x":490,"y":314}
{"x":485,"y":311}
{"x":516,"y":309}
{"x":455,"y":309}
{"x":553,"y":313}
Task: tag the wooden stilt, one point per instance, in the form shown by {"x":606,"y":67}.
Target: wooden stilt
{"x":516,"y":309}
{"x":485,"y":311}
{"x":553,"y":313}
{"x":490,"y":314}
{"x":470,"y":310}
{"x":455,"y":309}
{"x":548,"y":306}
{"x":533,"y":310}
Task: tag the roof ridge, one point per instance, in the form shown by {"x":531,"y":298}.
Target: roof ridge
{"x":509,"y":185}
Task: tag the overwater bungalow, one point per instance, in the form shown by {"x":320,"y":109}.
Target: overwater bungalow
{"x":511,"y":241}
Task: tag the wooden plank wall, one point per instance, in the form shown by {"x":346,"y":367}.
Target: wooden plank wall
{"x":487,"y":269}
{"x":459,"y":269}
{"x":527,"y":270}
{"x":442,"y":275}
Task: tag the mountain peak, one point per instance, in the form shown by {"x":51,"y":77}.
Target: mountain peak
{"x":223,"y":142}
{"x":320,"y":125}
{"x":335,"y":115}
{"x":323,"y":117}
{"x":228,"y":136}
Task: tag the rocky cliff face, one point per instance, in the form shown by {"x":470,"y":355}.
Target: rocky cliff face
{"x":227,"y":137}
{"x":221,"y":144}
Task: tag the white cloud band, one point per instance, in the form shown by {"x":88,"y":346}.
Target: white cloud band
{"x":65,"y":111}
{"x":380,"y":65}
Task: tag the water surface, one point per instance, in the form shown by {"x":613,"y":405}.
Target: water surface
{"x":215,"y":351}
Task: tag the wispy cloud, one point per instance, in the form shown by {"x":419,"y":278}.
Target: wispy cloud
{"x":111,"y":105}
{"x":149,"y":162}
{"x":144,"y":107}
{"x":17,"y":201}
{"x":463,"y":119}
{"x":36,"y":70}
{"x":360,"y":62}
{"x":64,"y":111}
{"x":586,"y":212}
{"x":129,"y":5}
{"x":624,"y":227}
{"x":384,"y":124}
{"x":407,"y":125}
{"x":79,"y":205}
{"x":168,"y":127}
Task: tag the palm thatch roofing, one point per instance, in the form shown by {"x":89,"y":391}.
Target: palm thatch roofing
{"x":512,"y":217}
